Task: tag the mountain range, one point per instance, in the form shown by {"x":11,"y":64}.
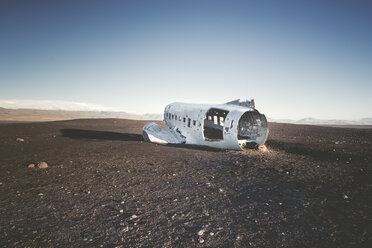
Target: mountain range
{"x":35,"y":110}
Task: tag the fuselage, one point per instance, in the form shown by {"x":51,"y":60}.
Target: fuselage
{"x":224,"y":126}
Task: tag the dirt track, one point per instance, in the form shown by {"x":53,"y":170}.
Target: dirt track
{"x":106,"y":187}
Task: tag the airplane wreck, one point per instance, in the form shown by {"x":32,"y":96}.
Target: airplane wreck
{"x":234,"y":125}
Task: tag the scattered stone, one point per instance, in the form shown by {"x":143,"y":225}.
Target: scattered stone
{"x":346,"y":197}
{"x":262,"y":148}
{"x":121,"y":211}
{"x":20,"y":140}
{"x":133,"y":217}
{"x":201,"y":241}
{"x":42,"y":165}
{"x":201,"y":232}
{"x":212,"y":233}
{"x":40,"y":194}
{"x":32,"y":165}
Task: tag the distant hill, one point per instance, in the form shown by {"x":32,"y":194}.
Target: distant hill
{"x":53,"y":115}
{"x":51,"y":110}
{"x":314,"y":121}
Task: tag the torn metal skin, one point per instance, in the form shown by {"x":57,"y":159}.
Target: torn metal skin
{"x":233,"y":125}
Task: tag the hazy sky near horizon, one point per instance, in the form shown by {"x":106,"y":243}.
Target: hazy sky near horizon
{"x":295,"y":58}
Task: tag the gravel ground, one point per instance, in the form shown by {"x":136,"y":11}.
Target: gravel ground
{"x":106,"y":187}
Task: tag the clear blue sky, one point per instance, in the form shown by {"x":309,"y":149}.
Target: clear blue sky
{"x":295,"y":58}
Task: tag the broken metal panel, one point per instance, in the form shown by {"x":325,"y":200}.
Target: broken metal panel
{"x":152,"y":132}
{"x":246,"y":103}
{"x":225,"y":126}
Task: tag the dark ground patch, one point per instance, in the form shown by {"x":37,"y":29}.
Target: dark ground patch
{"x":106,"y":187}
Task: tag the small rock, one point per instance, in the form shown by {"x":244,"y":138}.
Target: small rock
{"x":134,"y":217}
{"x":201,"y":241}
{"x":42,"y":165}
{"x":212,"y":233}
{"x":40,"y":194}
{"x":121,"y":211}
{"x":346,"y":197}
{"x":201,"y":232}
{"x":262,"y":148}
{"x":20,"y":140}
{"x":32,"y":165}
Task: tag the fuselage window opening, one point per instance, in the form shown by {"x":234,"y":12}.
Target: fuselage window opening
{"x":222,"y":120}
{"x":176,"y":117}
{"x":215,"y":120}
{"x":188,"y":122}
{"x":213,"y":124}
{"x":184,"y":119}
{"x":194,"y":122}
{"x":172,"y":116}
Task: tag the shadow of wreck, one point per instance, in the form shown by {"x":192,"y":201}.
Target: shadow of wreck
{"x":100,"y":135}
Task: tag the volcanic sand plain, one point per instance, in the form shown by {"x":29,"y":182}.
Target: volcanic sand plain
{"x":106,"y":187}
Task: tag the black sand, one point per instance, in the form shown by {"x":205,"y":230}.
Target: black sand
{"x":106,"y":187}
